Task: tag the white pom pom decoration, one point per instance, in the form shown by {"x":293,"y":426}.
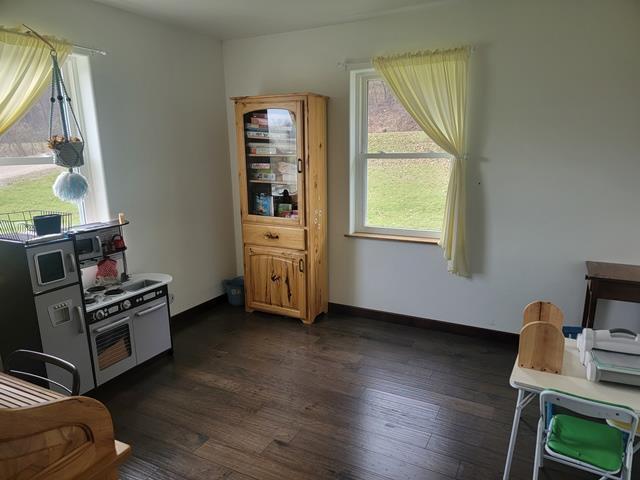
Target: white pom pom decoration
{"x":70,"y":186}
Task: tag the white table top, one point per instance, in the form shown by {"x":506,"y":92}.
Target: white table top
{"x":573,"y":380}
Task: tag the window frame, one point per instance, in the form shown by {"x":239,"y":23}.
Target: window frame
{"x":359,"y":156}
{"x":71,"y":72}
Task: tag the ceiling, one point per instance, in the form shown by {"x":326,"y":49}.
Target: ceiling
{"x":227,"y":19}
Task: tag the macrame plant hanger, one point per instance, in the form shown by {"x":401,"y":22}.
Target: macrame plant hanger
{"x":67,"y":150}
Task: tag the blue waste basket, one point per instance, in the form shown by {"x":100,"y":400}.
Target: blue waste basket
{"x":235,"y":291}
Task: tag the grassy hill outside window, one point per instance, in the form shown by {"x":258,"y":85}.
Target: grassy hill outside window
{"x":432,"y":86}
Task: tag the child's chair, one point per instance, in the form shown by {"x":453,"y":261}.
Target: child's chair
{"x":585,"y":444}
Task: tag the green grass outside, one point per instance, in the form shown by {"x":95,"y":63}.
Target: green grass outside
{"x":34,"y":193}
{"x":405,"y":193}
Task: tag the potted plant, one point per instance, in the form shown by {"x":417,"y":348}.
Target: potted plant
{"x":67,"y":152}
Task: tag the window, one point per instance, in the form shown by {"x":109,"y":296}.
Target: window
{"x":27,"y":171}
{"x":399,"y":176}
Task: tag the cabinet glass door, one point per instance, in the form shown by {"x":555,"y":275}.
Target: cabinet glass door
{"x":273,"y":163}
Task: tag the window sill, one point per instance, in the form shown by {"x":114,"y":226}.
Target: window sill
{"x":393,"y":238}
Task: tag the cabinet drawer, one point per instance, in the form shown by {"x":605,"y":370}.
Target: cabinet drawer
{"x":274,"y":236}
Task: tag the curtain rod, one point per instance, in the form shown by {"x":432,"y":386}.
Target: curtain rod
{"x":366,"y":62}
{"x":92,"y":51}
{"x":358,"y":62}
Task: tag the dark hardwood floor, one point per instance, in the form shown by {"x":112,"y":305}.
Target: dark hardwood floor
{"x":267,"y":398}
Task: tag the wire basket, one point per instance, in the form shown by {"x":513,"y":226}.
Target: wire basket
{"x":20,"y":226}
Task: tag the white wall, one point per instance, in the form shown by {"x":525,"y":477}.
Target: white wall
{"x":160,"y":105}
{"x":554,"y":168}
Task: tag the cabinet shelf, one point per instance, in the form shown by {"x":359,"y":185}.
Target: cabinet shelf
{"x":271,"y":155}
{"x":89,"y":262}
{"x":274,"y":182}
{"x":262,"y":129}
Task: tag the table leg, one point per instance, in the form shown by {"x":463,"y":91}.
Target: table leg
{"x":521,"y":402}
{"x":590,"y":304}
{"x":593,"y":302}
{"x":585,"y":312}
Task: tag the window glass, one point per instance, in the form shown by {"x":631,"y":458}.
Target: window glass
{"x":28,"y":136}
{"x":401,"y":175}
{"x":390,"y":129}
{"x":27,"y":172}
{"x":406,"y":193}
{"x":29,"y":187}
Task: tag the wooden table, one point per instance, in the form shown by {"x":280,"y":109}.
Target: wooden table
{"x":609,"y":281}
{"x":572,"y":380}
{"x":50,"y":436}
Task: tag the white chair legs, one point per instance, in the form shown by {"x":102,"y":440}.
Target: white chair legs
{"x":537,"y":461}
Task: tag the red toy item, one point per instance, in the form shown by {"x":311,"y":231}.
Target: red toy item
{"x":118,"y":242}
{"x":107,"y":269}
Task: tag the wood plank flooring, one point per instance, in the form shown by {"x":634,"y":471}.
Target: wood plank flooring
{"x":266,"y":398}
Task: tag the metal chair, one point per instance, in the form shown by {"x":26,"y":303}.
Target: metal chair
{"x":19,"y":356}
{"x":588,"y":445}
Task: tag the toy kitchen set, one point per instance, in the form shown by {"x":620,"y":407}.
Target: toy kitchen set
{"x":104,"y":325}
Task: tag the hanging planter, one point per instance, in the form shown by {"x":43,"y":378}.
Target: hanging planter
{"x":67,"y":153}
{"x":70,"y":186}
{"x":67,"y":147}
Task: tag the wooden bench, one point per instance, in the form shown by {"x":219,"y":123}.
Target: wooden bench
{"x":46,"y":435}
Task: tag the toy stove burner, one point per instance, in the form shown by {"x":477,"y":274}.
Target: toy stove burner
{"x":114,"y":291}
{"x":90,"y":300}
{"x":96,"y":288}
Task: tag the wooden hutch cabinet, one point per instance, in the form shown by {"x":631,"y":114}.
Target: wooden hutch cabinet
{"x":282,"y":162}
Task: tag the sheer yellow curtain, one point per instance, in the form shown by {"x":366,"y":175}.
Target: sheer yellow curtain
{"x":432,"y":87}
{"x":25,"y":72}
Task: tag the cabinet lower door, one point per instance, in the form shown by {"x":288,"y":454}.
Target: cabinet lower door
{"x":276,"y":280}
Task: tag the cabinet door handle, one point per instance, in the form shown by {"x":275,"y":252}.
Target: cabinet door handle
{"x":72,"y":260}
{"x":301,"y":265}
{"x":271,"y":236}
{"x":149,"y":310}
{"x":299,"y":165}
{"x":108,"y":327}
{"x":80,"y":319}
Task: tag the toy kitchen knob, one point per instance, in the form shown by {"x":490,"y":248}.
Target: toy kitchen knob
{"x":100,"y":314}
{"x":126,"y":304}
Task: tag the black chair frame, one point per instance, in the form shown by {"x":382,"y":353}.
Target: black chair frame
{"x":20,"y":355}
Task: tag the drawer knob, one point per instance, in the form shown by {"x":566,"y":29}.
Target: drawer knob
{"x":271,"y":236}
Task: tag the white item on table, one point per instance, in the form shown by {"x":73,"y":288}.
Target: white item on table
{"x":617,"y":340}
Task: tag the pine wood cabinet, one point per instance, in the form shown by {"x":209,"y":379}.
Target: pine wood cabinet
{"x":282,"y":167}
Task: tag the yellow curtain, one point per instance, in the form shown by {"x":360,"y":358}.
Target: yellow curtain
{"x":432,"y":87}
{"x":25,"y":72}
